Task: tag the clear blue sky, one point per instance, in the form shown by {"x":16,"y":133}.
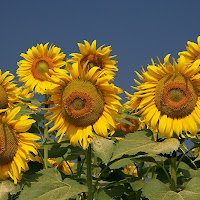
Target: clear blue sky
{"x":137,"y":30}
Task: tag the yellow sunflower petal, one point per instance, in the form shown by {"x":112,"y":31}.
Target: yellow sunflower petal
{"x":36,"y":64}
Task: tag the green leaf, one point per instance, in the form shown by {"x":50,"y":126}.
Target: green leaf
{"x":127,"y":111}
{"x":58,"y":150}
{"x":141,"y":141}
{"x":25,"y":110}
{"x":132,"y":144}
{"x":73,"y":152}
{"x":183,"y":165}
{"x":124,"y":121}
{"x":197,"y":159}
{"x":117,"y":134}
{"x":35,"y":101}
{"x":195,"y":140}
{"x":121,"y":163}
{"x":47,"y":184}
{"x":103,"y":148}
{"x":7,"y":187}
{"x":156,"y":190}
{"x":32,"y":100}
{"x":130,"y":116}
{"x":36,"y":129}
{"x":192,"y":189}
{"x":194,"y":173}
{"x":38,"y":117}
{"x":103,"y":196}
{"x":167,"y":146}
{"x":183,"y":147}
{"x":137,"y":185}
{"x":185,"y":169}
{"x":108,"y":194}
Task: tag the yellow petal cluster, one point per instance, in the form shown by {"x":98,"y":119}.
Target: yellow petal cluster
{"x":95,"y":57}
{"x":168,"y":100}
{"x":64,"y":166}
{"x":78,"y":104}
{"x":192,"y":55}
{"x":36,"y":64}
{"x":17,"y":146}
{"x":9,"y":91}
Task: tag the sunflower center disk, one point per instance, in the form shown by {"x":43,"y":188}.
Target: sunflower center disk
{"x":82,"y":103}
{"x":93,"y":60}
{"x":42,"y":67}
{"x":39,"y":68}
{"x":79,"y":103}
{"x":8,"y":144}
{"x":175,"y":96}
{"x":3,"y":98}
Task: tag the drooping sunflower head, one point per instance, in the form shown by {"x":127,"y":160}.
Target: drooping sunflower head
{"x":64,"y":166}
{"x":95,"y":57}
{"x":168,"y":100}
{"x":9,"y":91}
{"x":37,"y":62}
{"x":85,"y":104}
{"x":131,"y":170}
{"x":16,"y":145}
{"x":193,"y":52}
{"x":129,"y":128}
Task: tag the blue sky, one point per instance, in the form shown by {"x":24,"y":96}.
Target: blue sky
{"x":136,"y":30}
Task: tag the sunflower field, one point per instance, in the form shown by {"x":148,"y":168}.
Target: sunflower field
{"x":66,"y":132}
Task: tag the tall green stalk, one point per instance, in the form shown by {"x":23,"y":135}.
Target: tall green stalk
{"x":79,"y":166}
{"x":89,"y":172}
{"x":45,"y":166}
{"x":173,"y":160}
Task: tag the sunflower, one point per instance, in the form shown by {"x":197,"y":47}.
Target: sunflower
{"x":83,"y":101}
{"x":126,"y":128}
{"x":64,"y":166}
{"x":8,"y":90}
{"x":16,"y":145}
{"x":37,"y":62}
{"x":192,"y":54}
{"x":169,"y":99}
{"x":95,"y":57}
{"x":131,"y":170}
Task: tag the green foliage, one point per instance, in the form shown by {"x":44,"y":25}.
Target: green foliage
{"x":152,"y":160}
{"x":47,"y":184}
{"x":103,"y":148}
{"x":108,"y":194}
{"x":141,"y":141}
{"x":127,"y":113}
{"x":156,"y":190}
{"x":7,"y":187}
{"x":110,"y":157}
{"x":25,"y":110}
{"x":137,"y":185}
{"x":31,"y":100}
{"x":121,"y":163}
{"x":124,"y":121}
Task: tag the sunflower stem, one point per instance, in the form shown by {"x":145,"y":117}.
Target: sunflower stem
{"x":173,"y":160}
{"x":79,"y":166}
{"x":140,"y":172}
{"x":89,"y":171}
{"x":45,"y":166}
{"x":101,"y":173}
{"x":166,"y":173}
